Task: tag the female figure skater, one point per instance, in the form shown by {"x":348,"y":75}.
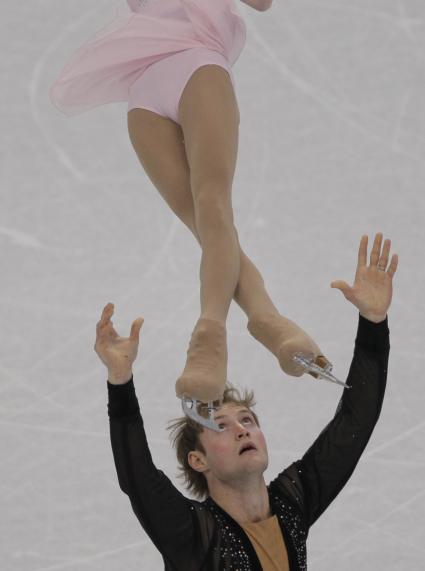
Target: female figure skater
{"x":171,"y":60}
{"x":244,"y":525}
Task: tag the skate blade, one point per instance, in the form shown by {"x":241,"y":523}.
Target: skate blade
{"x":323,"y":373}
{"x":192,"y":413}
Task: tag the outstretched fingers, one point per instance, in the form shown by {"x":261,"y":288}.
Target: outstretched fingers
{"x":362,"y":257}
{"x":393,"y":266}
{"x":376,"y":249}
{"x":104,"y":326}
{"x":135,"y":328}
{"x":107,"y":313}
{"x":383,"y":260}
{"x":376,"y":258}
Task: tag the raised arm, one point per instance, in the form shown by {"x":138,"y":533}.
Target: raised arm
{"x":164,"y":513}
{"x":161,"y":509}
{"x":330,"y":461}
{"x":260,"y":5}
{"x":315,"y":480}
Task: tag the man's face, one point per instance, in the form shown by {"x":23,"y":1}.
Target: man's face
{"x":222,"y":459}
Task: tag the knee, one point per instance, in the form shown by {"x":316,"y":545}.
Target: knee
{"x":213,"y":206}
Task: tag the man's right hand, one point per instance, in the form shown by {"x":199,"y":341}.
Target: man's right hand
{"x":117,"y":353}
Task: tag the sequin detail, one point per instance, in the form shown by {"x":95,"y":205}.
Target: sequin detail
{"x":294,"y":526}
{"x":233,"y":554}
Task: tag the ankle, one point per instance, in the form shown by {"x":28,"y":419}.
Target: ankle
{"x":262,"y":314}
{"x":211,"y":316}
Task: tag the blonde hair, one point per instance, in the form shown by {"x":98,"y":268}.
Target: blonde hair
{"x":186,"y":438}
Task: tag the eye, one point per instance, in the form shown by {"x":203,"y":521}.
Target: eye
{"x":244,"y":418}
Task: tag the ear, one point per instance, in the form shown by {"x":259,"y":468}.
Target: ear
{"x":197,"y":461}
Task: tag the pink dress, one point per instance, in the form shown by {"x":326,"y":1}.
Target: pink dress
{"x":104,"y":68}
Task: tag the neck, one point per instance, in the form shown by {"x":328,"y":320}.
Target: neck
{"x":245,"y":503}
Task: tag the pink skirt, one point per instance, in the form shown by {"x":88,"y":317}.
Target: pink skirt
{"x":104,"y":68}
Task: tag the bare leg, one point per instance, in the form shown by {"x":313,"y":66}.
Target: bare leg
{"x":196,"y":182}
{"x":209,"y":118}
{"x":250,"y":293}
{"x":220,"y":263}
{"x":159,"y":146}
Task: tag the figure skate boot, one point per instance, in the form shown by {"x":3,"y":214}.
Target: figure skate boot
{"x":296,"y":351}
{"x":204,"y":376}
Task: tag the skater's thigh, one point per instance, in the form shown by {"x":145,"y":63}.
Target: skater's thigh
{"x":209,"y":117}
{"x":158,"y":143}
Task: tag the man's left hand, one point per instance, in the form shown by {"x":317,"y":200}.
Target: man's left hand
{"x":372,"y":290}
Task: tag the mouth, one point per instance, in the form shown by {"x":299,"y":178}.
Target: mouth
{"x":248,"y":448}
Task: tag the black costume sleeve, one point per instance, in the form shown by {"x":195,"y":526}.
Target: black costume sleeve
{"x":314,"y":481}
{"x":163,"y":512}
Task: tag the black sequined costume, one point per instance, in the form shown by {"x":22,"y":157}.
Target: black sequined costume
{"x":200,"y":536}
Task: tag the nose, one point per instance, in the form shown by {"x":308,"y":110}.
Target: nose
{"x":241,"y":430}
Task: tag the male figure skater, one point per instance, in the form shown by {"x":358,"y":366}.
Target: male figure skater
{"x":244,"y":524}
